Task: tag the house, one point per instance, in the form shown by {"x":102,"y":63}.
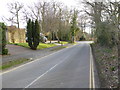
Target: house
{"x":15,"y":35}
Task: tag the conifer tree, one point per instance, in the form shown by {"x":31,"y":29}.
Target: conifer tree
{"x":74,"y":27}
{"x":36,"y":34}
{"x":3,"y":41}
{"x":33,"y":34}
{"x":29,"y":33}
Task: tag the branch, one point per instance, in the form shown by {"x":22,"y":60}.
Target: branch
{"x":90,"y":14}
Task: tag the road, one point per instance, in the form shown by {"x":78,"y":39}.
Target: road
{"x":67,"y":68}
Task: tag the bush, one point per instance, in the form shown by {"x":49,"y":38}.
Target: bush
{"x":3,"y":38}
{"x":4,"y":51}
{"x":105,"y":36}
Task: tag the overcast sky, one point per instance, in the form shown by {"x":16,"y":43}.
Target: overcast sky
{"x":5,"y":10}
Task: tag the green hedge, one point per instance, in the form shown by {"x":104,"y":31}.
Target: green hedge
{"x":3,"y":49}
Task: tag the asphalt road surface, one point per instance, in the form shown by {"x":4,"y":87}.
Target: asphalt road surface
{"x":67,"y":68}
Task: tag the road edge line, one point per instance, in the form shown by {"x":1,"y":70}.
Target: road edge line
{"x":92,"y":75}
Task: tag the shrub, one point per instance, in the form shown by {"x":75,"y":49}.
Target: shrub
{"x":4,"y":51}
{"x":3,"y":39}
{"x":105,"y":36}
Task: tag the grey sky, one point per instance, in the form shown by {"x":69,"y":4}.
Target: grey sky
{"x":4,"y":7}
{"x":5,"y":10}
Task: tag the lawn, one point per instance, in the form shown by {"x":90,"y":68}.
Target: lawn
{"x":63,"y":42}
{"x":40,"y":46}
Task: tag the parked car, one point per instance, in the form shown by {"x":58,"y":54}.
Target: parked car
{"x":43,"y":39}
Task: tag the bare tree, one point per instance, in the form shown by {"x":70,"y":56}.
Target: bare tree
{"x":104,"y":12}
{"x":14,"y":9}
{"x":26,"y":15}
{"x":54,"y":18}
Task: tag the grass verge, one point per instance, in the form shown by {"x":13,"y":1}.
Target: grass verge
{"x":13,"y":63}
{"x":40,"y":46}
{"x":63,"y":42}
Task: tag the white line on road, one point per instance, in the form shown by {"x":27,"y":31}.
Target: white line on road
{"x":90,"y":86}
{"x":45,"y":73}
{"x":92,"y":79}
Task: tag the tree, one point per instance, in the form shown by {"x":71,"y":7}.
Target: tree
{"x":3,"y":39}
{"x":53,"y":18}
{"x":29,"y":33}
{"x":33,"y":34}
{"x":112,"y":16}
{"x":14,"y":9}
{"x":104,"y":36}
{"x":36,"y":35}
{"x":119,"y":43}
{"x":105,"y":18}
{"x":74,"y":27}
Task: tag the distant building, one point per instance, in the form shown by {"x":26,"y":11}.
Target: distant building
{"x":15,"y":35}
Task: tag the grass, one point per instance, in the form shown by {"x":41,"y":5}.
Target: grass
{"x":13,"y":63}
{"x":43,"y":45}
{"x":40,"y":46}
{"x":112,"y":68}
{"x":58,"y":48}
{"x":63,"y":42}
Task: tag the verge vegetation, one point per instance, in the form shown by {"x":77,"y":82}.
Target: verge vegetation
{"x":13,"y":63}
{"x":107,"y":64}
{"x":40,"y":46}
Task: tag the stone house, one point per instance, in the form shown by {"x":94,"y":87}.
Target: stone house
{"x":15,"y":35}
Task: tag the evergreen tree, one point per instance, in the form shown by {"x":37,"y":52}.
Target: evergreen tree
{"x":33,"y":34}
{"x":29,"y":33}
{"x":74,"y":27}
{"x":36,"y":34}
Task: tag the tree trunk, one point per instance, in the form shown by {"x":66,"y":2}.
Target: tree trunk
{"x":57,"y":37}
{"x":119,"y":47}
{"x":19,"y":34}
{"x":50,"y":40}
{"x":73,"y":39}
